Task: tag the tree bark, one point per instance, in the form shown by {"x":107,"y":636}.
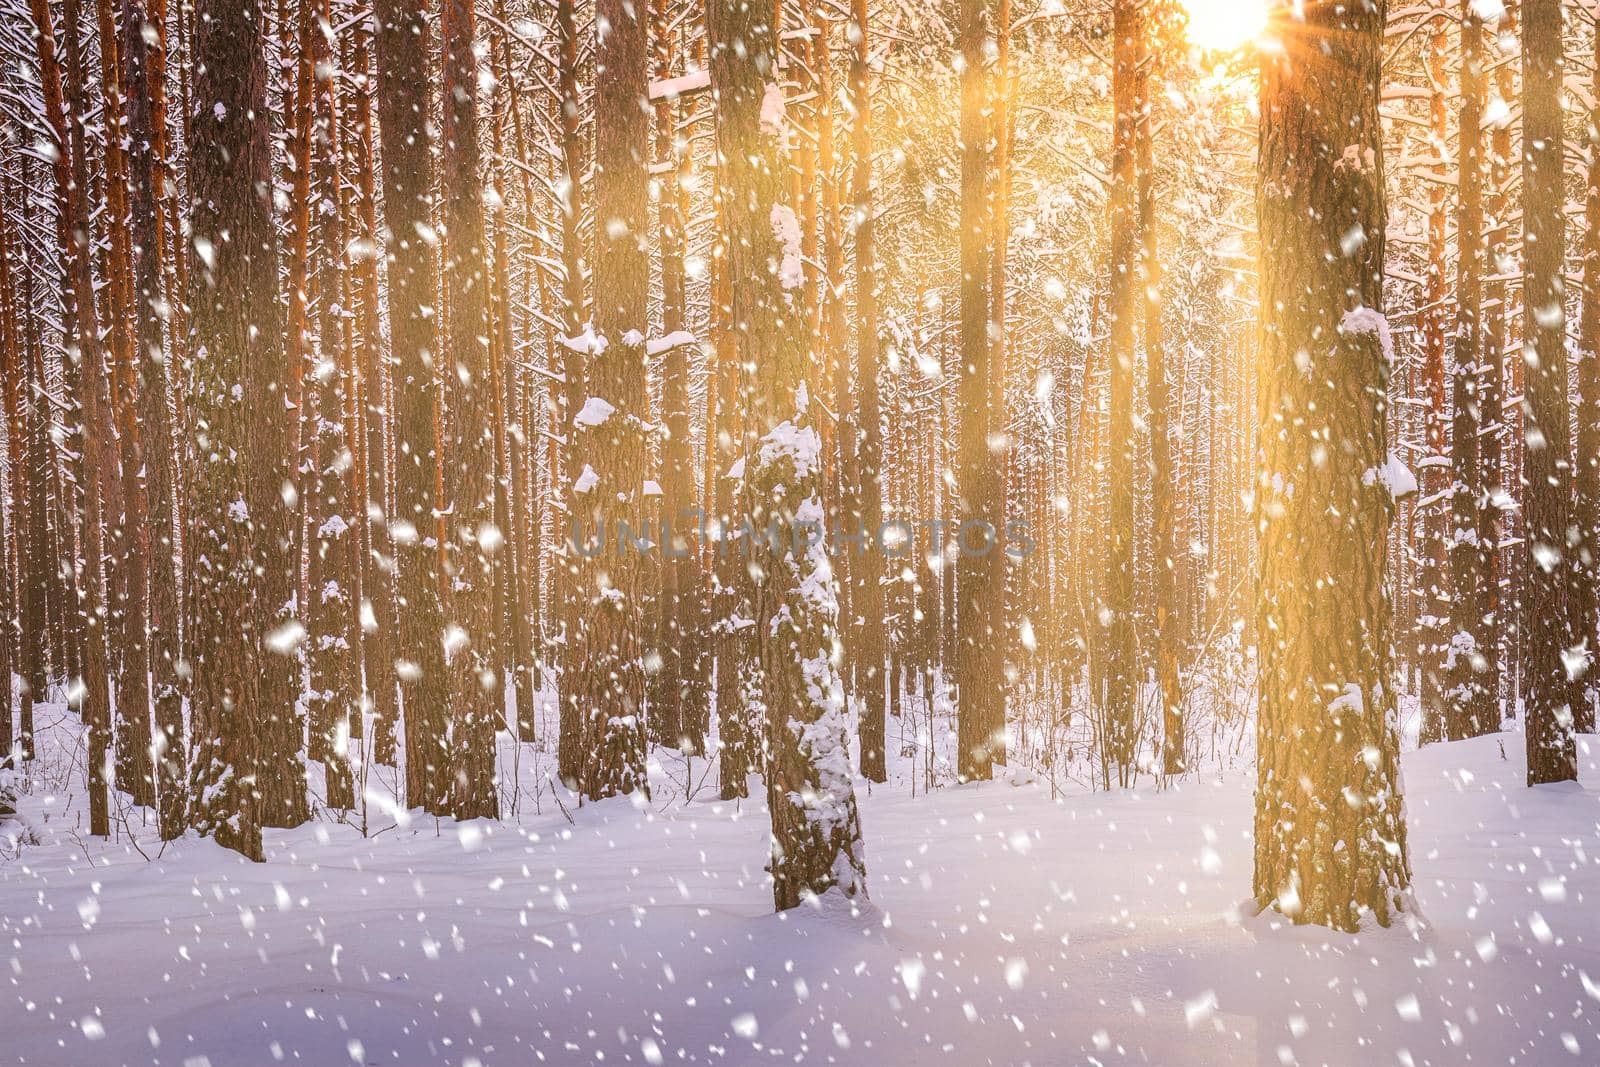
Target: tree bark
{"x":867,"y":605}
{"x":237,"y":406}
{"x":477,"y":689}
{"x":403,"y":123}
{"x":1470,"y":707}
{"x":980,"y":626}
{"x":1586,"y":509}
{"x":565,"y":594}
{"x":606,"y":492}
{"x":1330,"y":832}
{"x":86,"y":369}
{"x":1550,"y":564}
{"x":144,"y":63}
{"x":1433,"y":596}
{"x":816,"y":831}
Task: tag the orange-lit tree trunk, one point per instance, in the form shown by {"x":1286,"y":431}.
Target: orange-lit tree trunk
{"x":403,"y":43}
{"x":565,"y":594}
{"x":127,"y":567}
{"x":1586,"y":510}
{"x":15,"y":455}
{"x":29,"y":496}
{"x":155,"y":285}
{"x":816,"y":832}
{"x":1169,"y":570}
{"x":80,"y":330}
{"x":1499,"y":607}
{"x":527,"y":506}
{"x":1470,"y":702}
{"x":1120,"y":637}
{"x":1330,"y":838}
{"x":1550,"y":565}
{"x":1433,"y":596}
{"x":333,"y":695}
{"x":865,"y":634}
{"x":980,"y":651}
{"x":678,"y":686}
{"x":606,"y":498}
{"x":477,"y":687}
{"x":238,"y":340}
{"x":832,"y":330}
{"x":514,"y":615}
{"x":373,"y":412}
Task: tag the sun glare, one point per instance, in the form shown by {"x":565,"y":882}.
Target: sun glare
{"x":1225,"y":25}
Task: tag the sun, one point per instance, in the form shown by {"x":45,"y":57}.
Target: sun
{"x":1225,"y":25}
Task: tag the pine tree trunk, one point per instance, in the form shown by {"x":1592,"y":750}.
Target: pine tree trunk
{"x":735,"y":684}
{"x":1434,"y":594}
{"x":676,"y":686}
{"x":477,"y":689}
{"x":816,"y":832}
{"x":86,"y":370}
{"x":1120,"y":632}
{"x":1169,"y":566}
{"x":378,"y":579}
{"x":1551,"y":570}
{"x":1492,"y":524}
{"x":831,"y":339}
{"x":237,"y":411}
{"x":333,"y":695}
{"x":1586,"y":510}
{"x":980,"y":627}
{"x":15,"y":455}
{"x":1330,"y":833}
{"x":513,"y":615}
{"x":866,"y":568}
{"x":606,"y":492}
{"x":33,"y":538}
{"x":156,"y":298}
{"x":403,"y":122}
{"x":565,"y":594}
{"x":1470,"y":702}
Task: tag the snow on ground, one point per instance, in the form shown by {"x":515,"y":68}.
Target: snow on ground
{"x":1005,"y":928}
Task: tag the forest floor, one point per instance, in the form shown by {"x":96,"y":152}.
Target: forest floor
{"x":1005,"y":927}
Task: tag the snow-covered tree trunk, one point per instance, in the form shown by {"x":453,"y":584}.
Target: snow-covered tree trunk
{"x":816,"y":831}
{"x":607,"y":490}
{"x":678,"y":689}
{"x":1470,"y":702}
{"x":1550,"y":641}
{"x":1433,"y":593}
{"x":1330,"y":830}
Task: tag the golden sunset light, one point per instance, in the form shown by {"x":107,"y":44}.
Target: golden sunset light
{"x":1225,"y":25}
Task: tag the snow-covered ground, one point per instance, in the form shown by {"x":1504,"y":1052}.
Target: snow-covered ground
{"x":1005,"y":928}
